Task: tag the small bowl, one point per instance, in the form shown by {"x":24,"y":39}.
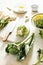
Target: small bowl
{"x":41,"y":14}
{"x":20,"y":10}
{"x":34,"y":8}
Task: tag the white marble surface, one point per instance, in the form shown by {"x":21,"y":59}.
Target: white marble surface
{"x":32,"y":57}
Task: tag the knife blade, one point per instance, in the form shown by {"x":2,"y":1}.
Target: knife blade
{"x":9,"y":29}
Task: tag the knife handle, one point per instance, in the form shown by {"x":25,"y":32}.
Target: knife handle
{"x":6,"y":36}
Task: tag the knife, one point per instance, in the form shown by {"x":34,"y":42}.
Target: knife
{"x":9,"y":29}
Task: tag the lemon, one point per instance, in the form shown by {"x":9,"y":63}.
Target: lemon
{"x":21,"y":7}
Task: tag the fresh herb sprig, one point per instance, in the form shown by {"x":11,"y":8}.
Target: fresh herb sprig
{"x":40,"y":57}
{"x":20,"y":50}
{"x":3,"y":23}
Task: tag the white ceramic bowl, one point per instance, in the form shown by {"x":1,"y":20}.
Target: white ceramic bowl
{"x":34,"y":23}
{"x":19,"y":10}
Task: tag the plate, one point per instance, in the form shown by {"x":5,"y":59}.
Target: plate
{"x":13,"y":37}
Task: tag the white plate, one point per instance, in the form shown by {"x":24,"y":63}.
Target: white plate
{"x":13,"y":37}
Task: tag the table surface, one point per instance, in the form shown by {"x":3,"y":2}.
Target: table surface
{"x":38,"y":43}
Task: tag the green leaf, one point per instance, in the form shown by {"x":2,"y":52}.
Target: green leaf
{"x":12,"y":49}
{"x":41,"y":33}
{"x":40,"y":57}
